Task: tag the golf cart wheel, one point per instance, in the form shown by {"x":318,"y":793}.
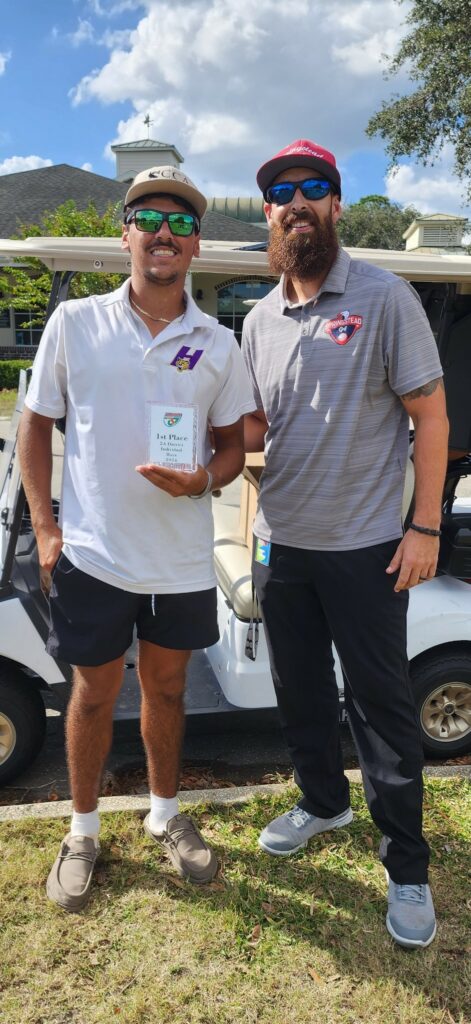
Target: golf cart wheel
{"x":22,"y":725}
{"x":442,"y":692}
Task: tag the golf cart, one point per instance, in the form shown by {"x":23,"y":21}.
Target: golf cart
{"x":234,"y":673}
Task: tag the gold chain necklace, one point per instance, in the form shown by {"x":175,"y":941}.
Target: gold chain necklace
{"x":160,"y":319}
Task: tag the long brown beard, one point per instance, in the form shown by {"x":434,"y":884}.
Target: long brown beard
{"x":304,"y":256}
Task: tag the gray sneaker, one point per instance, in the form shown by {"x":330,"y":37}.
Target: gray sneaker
{"x":189,"y":853}
{"x":411,"y":917}
{"x":70,"y":877}
{"x":291,"y":831}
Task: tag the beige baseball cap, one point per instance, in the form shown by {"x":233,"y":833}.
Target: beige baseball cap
{"x":170,"y":180}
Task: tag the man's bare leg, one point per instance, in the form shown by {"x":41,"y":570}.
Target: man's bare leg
{"x":162,"y":674}
{"x":89,"y":729}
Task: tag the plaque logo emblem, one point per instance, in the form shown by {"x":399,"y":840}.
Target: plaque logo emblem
{"x":172,"y":418}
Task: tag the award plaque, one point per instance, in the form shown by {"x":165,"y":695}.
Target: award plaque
{"x":172,"y":436}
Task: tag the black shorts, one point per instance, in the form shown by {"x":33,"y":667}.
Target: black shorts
{"x":93,"y":622}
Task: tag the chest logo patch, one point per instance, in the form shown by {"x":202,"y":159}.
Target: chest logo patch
{"x":185,"y":359}
{"x":343,"y":326}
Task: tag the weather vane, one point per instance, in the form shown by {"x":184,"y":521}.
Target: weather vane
{"x":148,"y":122}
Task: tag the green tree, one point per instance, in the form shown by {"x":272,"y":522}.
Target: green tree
{"x":437,"y":56}
{"x":28,"y":287}
{"x":375,"y":223}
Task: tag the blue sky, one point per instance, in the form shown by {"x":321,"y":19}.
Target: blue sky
{"x":228,"y":83}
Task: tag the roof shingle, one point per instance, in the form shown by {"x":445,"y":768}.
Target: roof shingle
{"x":27,"y":195}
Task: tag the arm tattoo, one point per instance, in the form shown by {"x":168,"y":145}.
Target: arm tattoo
{"x":426,"y":389}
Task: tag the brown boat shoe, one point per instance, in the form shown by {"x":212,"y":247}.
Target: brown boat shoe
{"x":189,"y":853}
{"x":70,"y":877}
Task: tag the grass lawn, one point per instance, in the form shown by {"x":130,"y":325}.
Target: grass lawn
{"x":7,"y":402}
{"x":296,"y":940}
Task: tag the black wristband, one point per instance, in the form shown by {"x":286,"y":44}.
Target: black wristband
{"x":425,"y":529}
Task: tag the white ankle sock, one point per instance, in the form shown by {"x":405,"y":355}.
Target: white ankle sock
{"x":161,"y":810}
{"x":85,"y":825}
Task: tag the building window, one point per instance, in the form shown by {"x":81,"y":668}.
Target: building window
{"x":441,"y":235}
{"x":26,"y":335}
{"x":4,"y":318}
{"x":235,"y":300}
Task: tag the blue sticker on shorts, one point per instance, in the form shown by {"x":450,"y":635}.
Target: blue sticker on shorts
{"x":262,"y":551}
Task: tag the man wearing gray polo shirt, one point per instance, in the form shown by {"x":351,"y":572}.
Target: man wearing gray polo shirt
{"x":340,"y":355}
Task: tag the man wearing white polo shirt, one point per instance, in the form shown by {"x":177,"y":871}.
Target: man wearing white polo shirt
{"x":140,"y":374}
{"x":341,"y":355}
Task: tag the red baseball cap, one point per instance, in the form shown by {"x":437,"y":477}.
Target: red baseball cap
{"x":301,"y":153}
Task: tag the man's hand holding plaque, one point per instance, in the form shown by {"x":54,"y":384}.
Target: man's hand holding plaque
{"x":176,"y":482}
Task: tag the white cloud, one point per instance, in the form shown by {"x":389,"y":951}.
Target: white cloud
{"x":4,"y":58}
{"x":13,"y":164}
{"x":118,"y":38}
{"x":367,"y":57}
{"x":207,"y":132}
{"x":229,"y":84}
{"x":200,"y":135}
{"x":84,"y":33}
{"x":87,"y":167}
{"x":430,"y":189}
{"x":118,"y":7}
{"x":366,"y":33}
{"x":355,"y":20}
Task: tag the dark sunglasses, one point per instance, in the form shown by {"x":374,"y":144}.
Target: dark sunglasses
{"x":182,"y":224}
{"x":311,"y":188}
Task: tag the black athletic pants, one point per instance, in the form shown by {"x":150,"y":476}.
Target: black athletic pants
{"x":308,"y":599}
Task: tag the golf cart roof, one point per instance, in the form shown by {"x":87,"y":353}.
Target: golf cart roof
{"x":105,"y":255}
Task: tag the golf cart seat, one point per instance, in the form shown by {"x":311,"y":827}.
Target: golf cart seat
{"x":233,"y":557}
{"x":232,"y":560}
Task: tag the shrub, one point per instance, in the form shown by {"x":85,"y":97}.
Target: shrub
{"x":10,"y":371}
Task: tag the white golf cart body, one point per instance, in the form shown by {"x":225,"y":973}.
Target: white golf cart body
{"x":224,"y":677}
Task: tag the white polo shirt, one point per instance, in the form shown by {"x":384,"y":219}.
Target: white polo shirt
{"x":98,"y":364}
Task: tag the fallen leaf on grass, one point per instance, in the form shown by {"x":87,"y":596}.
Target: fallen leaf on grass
{"x":369,"y":842}
{"x":177,"y":882}
{"x":255,"y":935}
{"x":268,"y":908}
{"x":315,"y":976}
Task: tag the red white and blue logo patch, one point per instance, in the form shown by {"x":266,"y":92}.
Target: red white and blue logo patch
{"x":343,"y":326}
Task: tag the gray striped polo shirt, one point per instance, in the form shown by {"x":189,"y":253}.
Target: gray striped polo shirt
{"x":327,"y":375}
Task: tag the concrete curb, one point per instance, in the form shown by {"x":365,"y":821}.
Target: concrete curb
{"x":231,"y":795}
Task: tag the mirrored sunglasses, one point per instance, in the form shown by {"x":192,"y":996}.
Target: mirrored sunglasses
{"x":311,"y":188}
{"x":182,"y":224}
